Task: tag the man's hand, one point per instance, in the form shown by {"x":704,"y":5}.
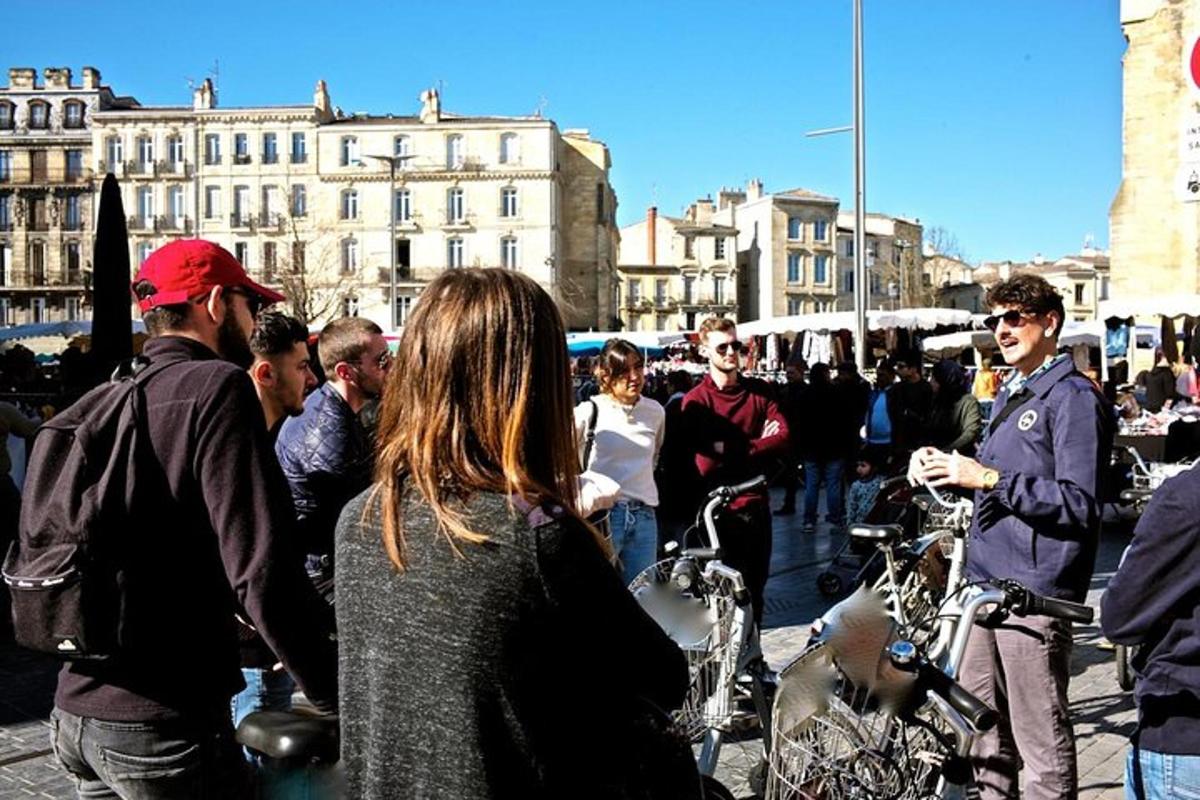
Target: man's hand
{"x":950,"y":469}
{"x":770,"y":429}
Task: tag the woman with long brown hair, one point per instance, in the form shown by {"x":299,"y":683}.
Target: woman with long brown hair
{"x":487,"y":647}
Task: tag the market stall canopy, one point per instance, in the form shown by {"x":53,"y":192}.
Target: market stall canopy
{"x":1090,"y":333}
{"x":64,"y":330}
{"x":1170,"y":305}
{"x":925,"y":319}
{"x":651,"y":342}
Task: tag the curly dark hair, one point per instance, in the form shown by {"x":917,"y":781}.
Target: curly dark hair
{"x":1029,"y":293}
{"x":275,"y":333}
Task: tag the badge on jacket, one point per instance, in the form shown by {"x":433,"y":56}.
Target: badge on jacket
{"x":1026,"y":420}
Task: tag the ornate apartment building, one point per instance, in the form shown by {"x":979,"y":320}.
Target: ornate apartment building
{"x":675,"y":271}
{"x":47,"y":192}
{"x":895,"y":274}
{"x":304,"y":196}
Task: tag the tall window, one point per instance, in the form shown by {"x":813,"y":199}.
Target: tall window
{"x":1079,"y":289}
{"x":508,"y":252}
{"x":37,"y":309}
{"x":72,"y":309}
{"x":175,"y":205}
{"x":349,"y":151}
{"x":39,"y":115}
{"x":7,"y":118}
{"x":349,"y":256}
{"x":175,"y":153}
{"x":72,"y":218}
{"x":5,"y":165}
{"x":5,"y":211}
{"x":820,"y":230}
{"x":689,"y":289}
{"x":508,"y":201}
{"x":145,"y":205}
{"x":849,"y":247}
{"x":270,"y":205}
{"x":241,"y":148}
{"x":795,"y":269}
{"x":454,"y":151}
{"x":403,"y":205}
{"x":114,"y":152}
{"x":509,"y":152}
{"x":299,"y":200}
{"x":72,"y":114}
{"x":71,"y":261}
{"x":145,"y":153}
{"x":719,"y":290}
{"x":821,"y":268}
{"x":212,"y":202}
{"x":37,"y":264}
{"x":848,"y":281}
{"x":402,"y":149}
{"x":403,"y":309}
{"x":456,"y":206}
{"x":299,"y":151}
{"x":212,"y":148}
{"x":719,"y":248}
{"x":454,"y":252}
{"x":298,"y":257}
{"x":74,"y":164}
{"x":350,"y":204}
{"x":5,"y":309}
{"x":633,"y":292}
{"x":241,"y":205}
{"x":241,"y":251}
{"x":660,"y":291}
{"x":268,"y":261}
{"x":795,"y":228}
{"x":794,"y":306}
{"x":144,"y":249}
{"x":270,"y":146}
{"x":350,"y":306}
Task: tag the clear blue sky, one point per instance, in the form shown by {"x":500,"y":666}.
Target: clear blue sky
{"x":999,"y":120}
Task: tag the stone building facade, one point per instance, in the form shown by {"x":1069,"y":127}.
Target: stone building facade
{"x":47,"y":192}
{"x":895,"y":276}
{"x":304,"y":195}
{"x":676,"y":271}
{"x":1154,"y":220}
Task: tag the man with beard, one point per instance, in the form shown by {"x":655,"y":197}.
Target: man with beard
{"x":325,"y":452}
{"x":210,"y":536}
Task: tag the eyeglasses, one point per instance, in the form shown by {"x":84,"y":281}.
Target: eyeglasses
{"x":253,"y":301}
{"x":1013,"y":318}
{"x":735,"y":346}
{"x":384,"y":359}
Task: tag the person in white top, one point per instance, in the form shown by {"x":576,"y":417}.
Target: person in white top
{"x":628,"y":433}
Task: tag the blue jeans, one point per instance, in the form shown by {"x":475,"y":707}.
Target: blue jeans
{"x":172,"y":760}
{"x":266,"y":690}
{"x":1160,"y":776}
{"x":634,"y":536}
{"x":829,"y":473}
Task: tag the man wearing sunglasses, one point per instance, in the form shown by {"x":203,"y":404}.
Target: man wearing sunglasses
{"x":1037,"y":484}
{"x":325,"y":452}
{"x":738,"y":432}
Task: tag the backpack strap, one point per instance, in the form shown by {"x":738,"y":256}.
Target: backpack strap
{"x":589,"y":437}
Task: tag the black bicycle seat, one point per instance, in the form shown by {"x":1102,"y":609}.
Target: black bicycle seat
{"x":881,"y":534}
{"x":290,"y":735}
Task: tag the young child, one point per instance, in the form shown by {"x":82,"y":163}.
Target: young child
{"x":863,"y":491}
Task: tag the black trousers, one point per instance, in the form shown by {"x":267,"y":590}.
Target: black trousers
{"x":746,"y":541}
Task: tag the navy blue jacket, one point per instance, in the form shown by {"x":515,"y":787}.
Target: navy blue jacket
{"x":1154,"y":601}
{"x":327,"y":460}
{"x":1041,"y":523}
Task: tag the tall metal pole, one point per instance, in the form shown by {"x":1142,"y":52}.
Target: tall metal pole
{"x":861,"y":293}
{"x":392,"y":242}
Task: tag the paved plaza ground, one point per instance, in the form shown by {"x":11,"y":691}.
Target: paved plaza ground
{"x":1104,"y":715}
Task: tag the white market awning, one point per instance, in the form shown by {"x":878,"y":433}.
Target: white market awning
{"x":924,"y":319}
{"x":1170,"y":305}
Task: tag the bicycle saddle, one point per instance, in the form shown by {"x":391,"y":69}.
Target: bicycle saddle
{"x":881,"y":534}
{"x":290,"y":735}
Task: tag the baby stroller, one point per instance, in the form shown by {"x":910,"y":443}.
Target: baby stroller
{"x":857,"y":561}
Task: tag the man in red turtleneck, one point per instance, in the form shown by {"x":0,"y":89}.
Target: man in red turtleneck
{"x":738,"y":430}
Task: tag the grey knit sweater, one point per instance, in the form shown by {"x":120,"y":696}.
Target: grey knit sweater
{"x":509,"y":672}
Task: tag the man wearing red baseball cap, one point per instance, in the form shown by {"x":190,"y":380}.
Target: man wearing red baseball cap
{"x":213,"y":536}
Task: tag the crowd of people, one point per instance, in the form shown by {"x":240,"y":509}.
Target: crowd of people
{"x":444,"y":579}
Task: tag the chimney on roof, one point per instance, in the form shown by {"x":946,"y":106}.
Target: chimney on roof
{"x":57,"y":77}
{"x":321,"y":102}
{"x":431,"y":106}
{"x":754,"y":189}
{"x":730,"y":197}
{"x":91,"y":78}
{"x":203,"y":98}
{"x":652,"y":235}
{"x":1038,"y":260}
{"x":703,"y":211}
{"x":22,"y":78}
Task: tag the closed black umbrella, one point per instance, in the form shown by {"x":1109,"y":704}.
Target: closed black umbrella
{"x":112,"y":337}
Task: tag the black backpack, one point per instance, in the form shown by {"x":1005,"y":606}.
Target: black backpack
{"x":64,"y":569}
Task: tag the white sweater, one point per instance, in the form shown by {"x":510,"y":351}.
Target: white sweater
{"x":626,"y":446}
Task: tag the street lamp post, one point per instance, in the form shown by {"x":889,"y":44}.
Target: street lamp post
{"x":392,"y":161}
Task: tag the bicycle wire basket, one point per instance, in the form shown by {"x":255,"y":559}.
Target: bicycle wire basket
{"x":701,"y":621}
{"x":844,"y":745}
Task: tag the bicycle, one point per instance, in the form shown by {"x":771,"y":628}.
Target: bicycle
{"x":297,"y":754}
{"x":704,"y":606}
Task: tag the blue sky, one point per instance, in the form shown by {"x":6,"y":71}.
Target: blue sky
{"x":999,"y":120}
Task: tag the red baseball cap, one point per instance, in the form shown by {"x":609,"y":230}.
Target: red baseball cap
{"x":187,"y":268}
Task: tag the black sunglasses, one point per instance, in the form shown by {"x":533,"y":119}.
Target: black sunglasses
{"x":1013,"y":318}
{"x":384,"y":359}
{"x":735,"y":346}
{"x":253,"y":301}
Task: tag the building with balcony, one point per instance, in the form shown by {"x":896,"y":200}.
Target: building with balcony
{"x":786,"y":262}
{"x":675,"y":271}
{"x":895,"y":257}
{"x":47,"y":192}
{"x":1083,"y":278}
{"x":304,"y":197}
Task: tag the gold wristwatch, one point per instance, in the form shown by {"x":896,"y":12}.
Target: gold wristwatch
{"x":990,"y":478}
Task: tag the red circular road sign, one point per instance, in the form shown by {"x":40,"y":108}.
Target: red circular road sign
{"x":1194,"y":64}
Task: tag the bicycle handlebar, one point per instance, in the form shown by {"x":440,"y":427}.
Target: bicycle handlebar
{"x":729,"y":492}
{"x":905,"y":656}
{"x":1031,"y":604}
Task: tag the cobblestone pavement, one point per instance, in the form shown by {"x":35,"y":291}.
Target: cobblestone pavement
{"x":1103,"y":714}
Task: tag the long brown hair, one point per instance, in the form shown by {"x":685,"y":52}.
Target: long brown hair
{"x":478,"y":400}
